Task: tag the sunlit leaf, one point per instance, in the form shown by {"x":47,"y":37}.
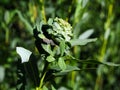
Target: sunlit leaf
{"x":67,"y":70}
{"x":61,"y":63}
{"x":81,"y":41}
{"x":53,"y":88}
{"x":44,"y":88}
{"x":2,"y":73}
{"x":7,"y":17}
{"x":50,"y":21}
{"x":62,"y":47}
{"x":86,"y":34}
{"x":50,"y":58}
{"x":47,"y":48}
{"x":24,"y":54}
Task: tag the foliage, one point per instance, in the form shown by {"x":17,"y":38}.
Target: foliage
{"x":59,"y":63}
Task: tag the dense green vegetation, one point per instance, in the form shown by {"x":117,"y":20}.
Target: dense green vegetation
{"x":88,"y":18}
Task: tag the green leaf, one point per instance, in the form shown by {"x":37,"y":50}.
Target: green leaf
{"x":2,"y":74}
{"x":56,"y":50}
{"x":53,"y":88}
{"x":86,"y":34}
{"x":67,"y":70}
{"x":39,"y":26}
{"x":41,"y":36}
{"x":61,"y":63}
{"x":98,"y":62}
{"x":50,"y":58}
{"x":62,"y":47}
{"x":110,"y":64}
{"x":7,"y":17}
{"x":71,"y":68}
{"x":47,"y":48}
{"x":44,"y":88}
{"x":50,"y":21}
{"x":74,"y":42}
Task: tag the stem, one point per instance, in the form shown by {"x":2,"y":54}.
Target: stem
{"x":33,"y":11}
{"x":43,"y":76}
{"x":98,"y":85}
{"x":7,"y":36}
{"x":6,"y":33}
{"x":73,"y":78}
{"x":69,"y":10}
{"x":41,"y":81}
{"x":43,"y":10}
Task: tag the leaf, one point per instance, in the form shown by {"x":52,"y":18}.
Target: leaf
{"x":74,"y":42}
{"x":94,"y":62}
{"x":47,"y":48}
{"x":74,"y":68}
{"x":62,"y":47}
{"x":2,"y":73}
{"x":50,"y":21}
{"x":67,"y":70}
{"x":61,"y":63}
{"x":71,"y":68}
{"x":7,"y":17}
{"x":50,"y":58}
{"x":56,"y":50}
{"x":53,"y":88}
{"x":39,"y":26}
{"x":86,"y":34}
{"x":84,"y":3}
{"x":24,"y":54}
{"x":44,"y":88}
{"x":98,"y":62}
{"x":41,"y":36}
{"x":110,"y":64}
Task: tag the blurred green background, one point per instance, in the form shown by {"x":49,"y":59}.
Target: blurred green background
{"x":18,"y":17}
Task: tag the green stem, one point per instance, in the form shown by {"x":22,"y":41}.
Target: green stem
{"x":43,"y":10}
{"x":69,"y":10}
{"x":43,"y":75}
{"x":6,"y":32}
{"x":98,"y":85}
{"x":41,"y":81}
{"x":73,"y":78}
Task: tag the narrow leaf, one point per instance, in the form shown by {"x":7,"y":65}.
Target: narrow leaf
{"x":67,"y":70}
{"x":110,"y":64}
{"x":2,"y":74}
{"x":62,"y":47}
{"x":81,"y":41}
{"x":61,"y":63}
{"x":98,"y":62}
{"x":86,"y":34}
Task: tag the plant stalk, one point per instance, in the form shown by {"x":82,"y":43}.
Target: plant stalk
{"x":99,"y":79}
